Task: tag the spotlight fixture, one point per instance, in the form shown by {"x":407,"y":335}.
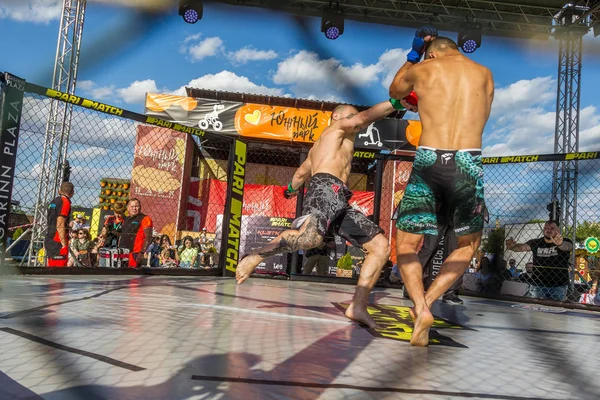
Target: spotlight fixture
{"x":191,"y":10}
{"x":332,"y":24}
{"x":469,"y":38}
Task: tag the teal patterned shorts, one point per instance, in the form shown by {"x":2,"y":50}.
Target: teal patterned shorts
{"x":445,"y":187}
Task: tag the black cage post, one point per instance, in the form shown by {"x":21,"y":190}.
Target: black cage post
{"x":378,"y":190}
{"x":299,"y":205}
{"x":234,"y":204}
{"x":12,"y":105}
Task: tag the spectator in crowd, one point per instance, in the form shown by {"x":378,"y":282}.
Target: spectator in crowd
{"x":153,"y":252}
{"x":98,"y":243}
{"x":486,"y":279}
{"x":56,"y":242}
{"x":551,"y":261}
{"x":77,"y":223}
{"x":527,"y":275}
{"x":205,"y":245}
{"x":73,"y":236}
{"x":167,"y":253}
{"x":82,"y":247}
{"x":594,"y":268}
{"x":114,"y":223}
{"x":188,"y":254}
{"x":505,"y":272}
{"x":136,"y":233}
{"x":512,"y":268}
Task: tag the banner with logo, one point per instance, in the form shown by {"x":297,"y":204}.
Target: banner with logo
{"x":275,"y":122}
{"x":158,"y":171}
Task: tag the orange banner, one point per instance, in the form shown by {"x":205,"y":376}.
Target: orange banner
{"x":281,"y":123}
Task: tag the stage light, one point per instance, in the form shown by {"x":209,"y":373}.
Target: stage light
{"x":191,"y":10}
{"x":332,"y":24}
{"x":469,"y":38}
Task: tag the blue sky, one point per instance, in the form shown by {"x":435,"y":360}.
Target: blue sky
{"x":267,"y":53}
{"x":250,"y":50}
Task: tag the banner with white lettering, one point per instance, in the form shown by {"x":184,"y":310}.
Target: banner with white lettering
{"x":232,"y":224}
{"x":268,"y":122}
{"x":12,"y":104}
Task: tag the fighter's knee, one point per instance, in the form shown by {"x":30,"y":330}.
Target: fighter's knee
{"x":470,"y":242}
{"x":379,"y":246}
{"x":407,"y":248}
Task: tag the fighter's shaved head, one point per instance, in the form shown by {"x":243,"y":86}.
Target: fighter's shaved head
{"x":442,"y":44}
{"x":343,"y":111}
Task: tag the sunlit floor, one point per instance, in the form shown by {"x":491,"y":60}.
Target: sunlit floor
{"x":205,"y":338}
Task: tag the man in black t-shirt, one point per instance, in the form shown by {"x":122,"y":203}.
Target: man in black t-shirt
{"x":551,"y":262}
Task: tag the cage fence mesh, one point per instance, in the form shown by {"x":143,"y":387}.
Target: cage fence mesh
{"x":113,"y":160}
{"x":180,"y":181}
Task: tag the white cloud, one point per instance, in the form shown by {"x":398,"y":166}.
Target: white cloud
{"x":85,"y":85}
{"x":207,"y":48}
{"x":38,"y":11}
{"x":102,"y":93}
{"x":87,"y":153}
{"x":247,"y":54}
{"x":524,"y":94}
{"x":95,"y":92}
{"x":327,"y":79}
{"x":229,"y":81}
{"x":191,"y":38}
{"x":136,"y":92}
{"x":389,"y":63}
{"x":531,"y":129}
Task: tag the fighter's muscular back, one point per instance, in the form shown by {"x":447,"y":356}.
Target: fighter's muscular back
{"x":455,"y":99}
{"x":332,"y":152}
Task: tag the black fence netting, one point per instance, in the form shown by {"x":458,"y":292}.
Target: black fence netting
{"x":149,"y":196}
{"x":143,"y":195}
{"x":541,"y":239}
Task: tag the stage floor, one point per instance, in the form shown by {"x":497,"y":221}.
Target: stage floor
{"x":206,"y":338}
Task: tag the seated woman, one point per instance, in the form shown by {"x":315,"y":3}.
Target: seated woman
{"x":82,"y":247}
{"x":188,"y":254}
{"x":167,"y":255}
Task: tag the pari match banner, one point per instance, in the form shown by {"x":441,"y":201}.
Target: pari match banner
{"x":266,"y":122}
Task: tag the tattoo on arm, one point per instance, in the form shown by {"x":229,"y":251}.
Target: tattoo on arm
{"x":566,"y":246}
{"x":520,"y":248}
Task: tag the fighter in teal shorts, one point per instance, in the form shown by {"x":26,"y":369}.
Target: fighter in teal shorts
{"x":455,"y":97}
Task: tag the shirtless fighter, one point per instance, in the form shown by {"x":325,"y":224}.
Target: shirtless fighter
{"x":455,"y":98}
{"x":326,"y":206}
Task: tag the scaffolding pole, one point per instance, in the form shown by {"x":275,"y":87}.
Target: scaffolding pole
{"x":59,"y":119}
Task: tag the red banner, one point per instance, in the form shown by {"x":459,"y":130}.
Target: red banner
{"x":260,"y":200}
{"x":158,"y":166}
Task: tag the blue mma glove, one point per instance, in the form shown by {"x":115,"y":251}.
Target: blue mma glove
{"x":419,"y":44}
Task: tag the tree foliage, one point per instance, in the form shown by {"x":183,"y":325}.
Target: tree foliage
{"x":587,"y":229}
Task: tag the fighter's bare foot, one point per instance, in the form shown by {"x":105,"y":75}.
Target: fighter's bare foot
{"x":423,"y":322}
{"x":361,"y":315}
{"x":246,"y":267}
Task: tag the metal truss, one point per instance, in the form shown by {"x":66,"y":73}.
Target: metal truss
{"x":59,"y":118}
{"x":520,"y":18}
{"x":564,"y":186}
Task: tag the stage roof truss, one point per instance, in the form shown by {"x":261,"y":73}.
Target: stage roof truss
{"x":529,"y":19}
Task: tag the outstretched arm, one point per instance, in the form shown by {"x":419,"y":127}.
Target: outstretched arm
{"x":517,"y":247}
{"x":363,"y":119}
